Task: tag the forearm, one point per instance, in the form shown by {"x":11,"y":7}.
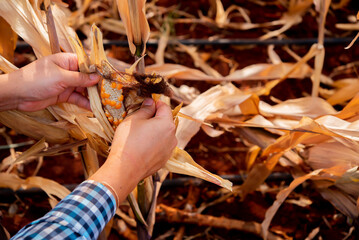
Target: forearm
{"x":9,"y":98}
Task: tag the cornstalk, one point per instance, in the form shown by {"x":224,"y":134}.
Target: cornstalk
{"x":144,"y":187}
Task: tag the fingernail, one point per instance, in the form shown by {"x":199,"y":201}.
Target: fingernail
{"x":148,"y":102}
{"x":94,"y":76}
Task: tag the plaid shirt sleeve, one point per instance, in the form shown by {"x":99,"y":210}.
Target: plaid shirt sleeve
{"x":81,"y":215}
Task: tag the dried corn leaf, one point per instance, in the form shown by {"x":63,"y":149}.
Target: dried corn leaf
{"x":322,"y":7}
{"x":297,"y":108}
{"x":297,"y":8}
{"x":35,"y":149}
{"x":215,"y":99}
{"x":181,"y":162}
{"x":330,"y":154}
{"x":64,"y":32}
{"x":6,"y":66}
{"x":162,"y":44}
{"x":35,"y":129}
{"x":307,"y":131}
{"x":113,"y":25}
{"x":346,"y":92}
{"x":352,"y":42}
{"x":52,"y":188}
{"x":260,"y":71}
{"x":8,"y":40}
{"x":199,"y":62}
{"x":281,"y":196}
{"x":133,"y":16}
{"x":26,"y":23}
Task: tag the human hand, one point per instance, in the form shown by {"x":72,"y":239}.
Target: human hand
{"x":145,"y":139}
{"x":50,"y":80}
{"x":142,"y":144}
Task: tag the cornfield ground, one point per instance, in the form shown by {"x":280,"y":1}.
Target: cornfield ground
{"x":305,"y":214}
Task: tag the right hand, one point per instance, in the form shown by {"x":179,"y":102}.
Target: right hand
{"x":145,"y":140}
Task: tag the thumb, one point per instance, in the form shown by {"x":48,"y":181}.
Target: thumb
{"x":78,"y":79}
{"x":163,"y":111}
{"x":146,"y":111}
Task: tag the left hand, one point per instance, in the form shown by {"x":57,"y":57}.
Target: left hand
{"x":51,"y":80}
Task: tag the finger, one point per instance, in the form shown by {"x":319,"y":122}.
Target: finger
{"x":79,"y":100}
{"x":146,"y":111}
{"x":163,"y":111}
{"x":77,"y":79}
{"x":80,"y":89}
{"x":36,"y":105}
{"x":66,"y":61}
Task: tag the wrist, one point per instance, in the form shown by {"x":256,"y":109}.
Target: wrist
{"x":117,"y":175}
{"x":9,"y":96}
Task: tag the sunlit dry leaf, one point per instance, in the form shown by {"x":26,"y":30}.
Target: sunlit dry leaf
{"x":113,"y":25}
{"x":297,"y":108}
{"x":35,"y":129}
{"x":221,"y":17}
{"x":215,"y":99}
{"x":281,"y":196}
{"x":52,"y":188}
{"x":352,"y":42}
{"x":181,"y":162}
{"x":297,"y":8}
{"x":162,"y":44}
{"x":8,"y":40}
{"x":199,"y":62}
{"x":322,"y":6}
{"x":307,"y":130}
{"x":6,"y":66}
{"x":329,"y":154}
{"x":25,"y":22}
{"x":64,"y":32}
{"x":251,"y":156}
{"x":133,"y":16}
{"x":345,"y":92}
{"x":36,"y":148}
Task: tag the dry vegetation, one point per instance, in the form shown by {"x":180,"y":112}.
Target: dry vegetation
{"x":249,"y":110}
